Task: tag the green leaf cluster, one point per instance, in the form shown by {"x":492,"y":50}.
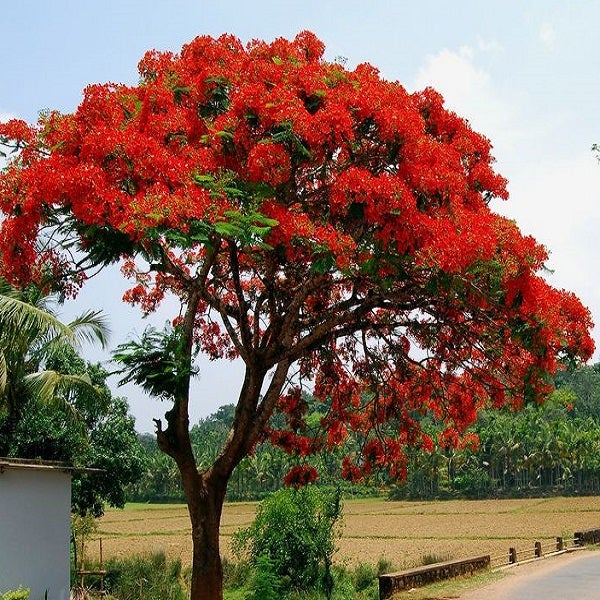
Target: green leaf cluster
{"x":103,"y":437}
{"x":284,"y":134}
{"x":157,"y":362}
{"x":295,"y":529}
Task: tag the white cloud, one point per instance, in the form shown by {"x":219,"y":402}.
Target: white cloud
{"x":547,"y":35}
{"x":558,"y":201}
{"x":4,"y":116}
{"x":468,"y":90}
{"x":554,"y":198}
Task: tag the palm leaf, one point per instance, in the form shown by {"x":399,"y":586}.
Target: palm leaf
{"x":29,"y":331}
{"x":21,"y":316}
{"x":91,"y":326}
{"x":53,"y":389}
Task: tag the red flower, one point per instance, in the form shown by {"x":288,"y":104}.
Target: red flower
{"x":269,"y":163}
{"x":300,"y":475}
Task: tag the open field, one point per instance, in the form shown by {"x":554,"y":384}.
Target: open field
{"x":401,"y":532}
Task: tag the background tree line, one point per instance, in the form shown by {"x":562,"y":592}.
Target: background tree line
{"x":548,"y":448}
{"x":66,"y":411}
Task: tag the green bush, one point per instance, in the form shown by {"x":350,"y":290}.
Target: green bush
{"x":236,"y":574}
{"x":473,"y":483}
{"x":296,"y":530}
{"x":433,"y":559}
{"x":384,"y":565}
{"x":364,"y":575}
{"x":266,"y":584}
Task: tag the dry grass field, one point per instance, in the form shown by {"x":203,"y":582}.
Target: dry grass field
{"x":401,"y":532}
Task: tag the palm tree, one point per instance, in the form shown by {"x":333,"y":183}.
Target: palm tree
{"x":29,"y":332}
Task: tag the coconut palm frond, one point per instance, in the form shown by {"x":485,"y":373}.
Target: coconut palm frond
{"x":30,"y":294}
{"x":91,"y":326}
{"x":29,"y":333}
{"x":53,"y":388}
{"x":50,"y":387}
{"x":21,"y":316}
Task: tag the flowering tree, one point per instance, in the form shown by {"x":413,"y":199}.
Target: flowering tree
{"x":323,"y":225}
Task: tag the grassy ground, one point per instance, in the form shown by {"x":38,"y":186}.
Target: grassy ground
{"x":404,"y":533}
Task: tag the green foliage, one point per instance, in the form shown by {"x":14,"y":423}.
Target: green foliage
{"x":113,"y":448}
{"x":473,"y":483}
{"x":161,"y":481}
{"x":384,"y":565}
{"x":153,"y":577}
{"x":18,"y":594}
{"x":150,"y":577}
{"x":236,"y":574}
{"x":49,"y":396}
{"x":432,"y":559}
{"x":549,"y":448}
{"x":30,"y":334}
{"x":296,"y":530}
{"x":364,"y":575}
{"x":266,"y":583}
{"x":82,"y":527}
{"x":157,"y":363}
{"x":107,"y":441}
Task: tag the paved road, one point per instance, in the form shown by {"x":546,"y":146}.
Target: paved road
{"x":572,"y":577}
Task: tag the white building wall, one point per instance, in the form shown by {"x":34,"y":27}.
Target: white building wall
{"x":35,"y":507}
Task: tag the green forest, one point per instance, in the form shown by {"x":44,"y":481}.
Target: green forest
{"x":553,"y":448}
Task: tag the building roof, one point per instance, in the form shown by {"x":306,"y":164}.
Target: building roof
{"x":42,"y":465}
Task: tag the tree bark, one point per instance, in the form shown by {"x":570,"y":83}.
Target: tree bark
{"x":205,"y":495}
{"x":205,"y":515}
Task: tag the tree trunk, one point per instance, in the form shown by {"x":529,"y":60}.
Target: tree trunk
{"x":205,"y":496}
{"x":207,"y":570}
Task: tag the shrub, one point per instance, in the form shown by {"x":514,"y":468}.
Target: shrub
{"x":432,"y":559}
{"x":295,"y":529}
{"x":473,"y":483}
{"x":384,"y":565}
{"x":266,"y":584}
{"x":364,"y":575}
{"x":236,"y":574}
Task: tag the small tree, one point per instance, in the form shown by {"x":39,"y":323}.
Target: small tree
{"x":321,"y":224}
{"x":294,"y":532}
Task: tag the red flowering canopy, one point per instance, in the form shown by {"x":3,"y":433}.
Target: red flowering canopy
{"x":325,"y":225}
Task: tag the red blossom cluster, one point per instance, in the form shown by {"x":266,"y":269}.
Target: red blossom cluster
{"x":318,"y":217}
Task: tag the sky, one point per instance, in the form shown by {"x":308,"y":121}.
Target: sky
{"x":525,"y":74}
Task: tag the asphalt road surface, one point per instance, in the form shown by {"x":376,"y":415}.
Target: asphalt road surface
{"x":568,"y":577}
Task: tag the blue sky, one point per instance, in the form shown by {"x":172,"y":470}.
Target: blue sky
{"x":526,"y":74}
